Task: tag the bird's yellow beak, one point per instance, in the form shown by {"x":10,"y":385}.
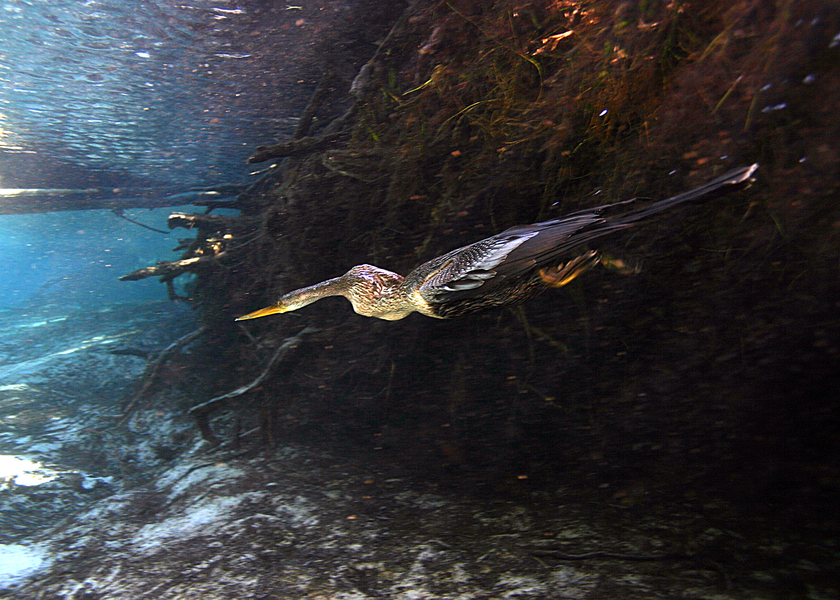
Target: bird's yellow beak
{"x":263,"y":312}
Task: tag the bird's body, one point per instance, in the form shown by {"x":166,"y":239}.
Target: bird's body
{"x":501,"y":270}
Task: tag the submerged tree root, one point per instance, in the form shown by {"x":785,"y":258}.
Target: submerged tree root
{"x":603,"y":554}
{"x":153,"y":368}
{"x":201,"y":411}
{"x":299,"y":147}
{"x":216,"y":234}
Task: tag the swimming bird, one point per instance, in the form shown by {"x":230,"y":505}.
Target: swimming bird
{"x":498,"y":271}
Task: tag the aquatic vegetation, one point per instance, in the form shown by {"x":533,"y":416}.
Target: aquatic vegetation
{"x":676,"y":425}
{"x":475,"y":116}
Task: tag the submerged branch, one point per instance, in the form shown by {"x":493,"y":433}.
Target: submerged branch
{"x":318,"y":96}
{"x":212,"y":243}
{"x":299,"y":147}
{"x":602,"y":554}
{"x":192,"y":221}
{"x":279,"y":355}
{"x":168,"y":270}
{"x":121,"y":215}
{"x":154,"y":367}
{"x":306,"y":145}
{"x":14,"y":201}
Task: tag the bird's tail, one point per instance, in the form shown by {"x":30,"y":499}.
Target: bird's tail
{"x":733,"y":177}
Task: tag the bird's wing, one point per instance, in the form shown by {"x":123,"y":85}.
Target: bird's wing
{"x":555,"y":238}
{"x":479,"y":268}
{"x":469,"y":267}
{"x":492,"y":261}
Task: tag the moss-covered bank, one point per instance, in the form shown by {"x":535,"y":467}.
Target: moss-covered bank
{"x":713,"y":372}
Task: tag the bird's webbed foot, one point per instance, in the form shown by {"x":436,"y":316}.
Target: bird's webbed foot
{"x":563,"y":274}
{"x":618,"y":264}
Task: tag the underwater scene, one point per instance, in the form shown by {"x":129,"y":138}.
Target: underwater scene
{"x":420,"y":299}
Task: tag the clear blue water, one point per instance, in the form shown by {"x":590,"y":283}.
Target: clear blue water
{"x":170,"y":91}
{"x":74,"y":258}
{"x":152,"y":94}
{"x":146,"y":93}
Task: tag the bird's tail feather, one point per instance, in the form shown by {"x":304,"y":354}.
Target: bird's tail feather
{"x":733,"y":177}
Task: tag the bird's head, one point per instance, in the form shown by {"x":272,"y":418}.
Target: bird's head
{"x":371,"y":290}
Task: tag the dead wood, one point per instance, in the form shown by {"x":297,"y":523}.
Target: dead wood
{"x":299,"y":147}
{"x":191,"y":221}
{"x":213,"y":240}
{"x":318,"y":96}
{"x":153,"y":368}
{"x":279,"y":354}
{"x":168,"y":270}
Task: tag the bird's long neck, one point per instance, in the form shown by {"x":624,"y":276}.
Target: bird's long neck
{"x":337,"y":286}
{"x":372,"y":291}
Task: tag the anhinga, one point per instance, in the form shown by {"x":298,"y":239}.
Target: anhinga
{"x":498,"y":271}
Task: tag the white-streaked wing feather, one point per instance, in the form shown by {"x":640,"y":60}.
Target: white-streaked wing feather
{"x":475,"y":264}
